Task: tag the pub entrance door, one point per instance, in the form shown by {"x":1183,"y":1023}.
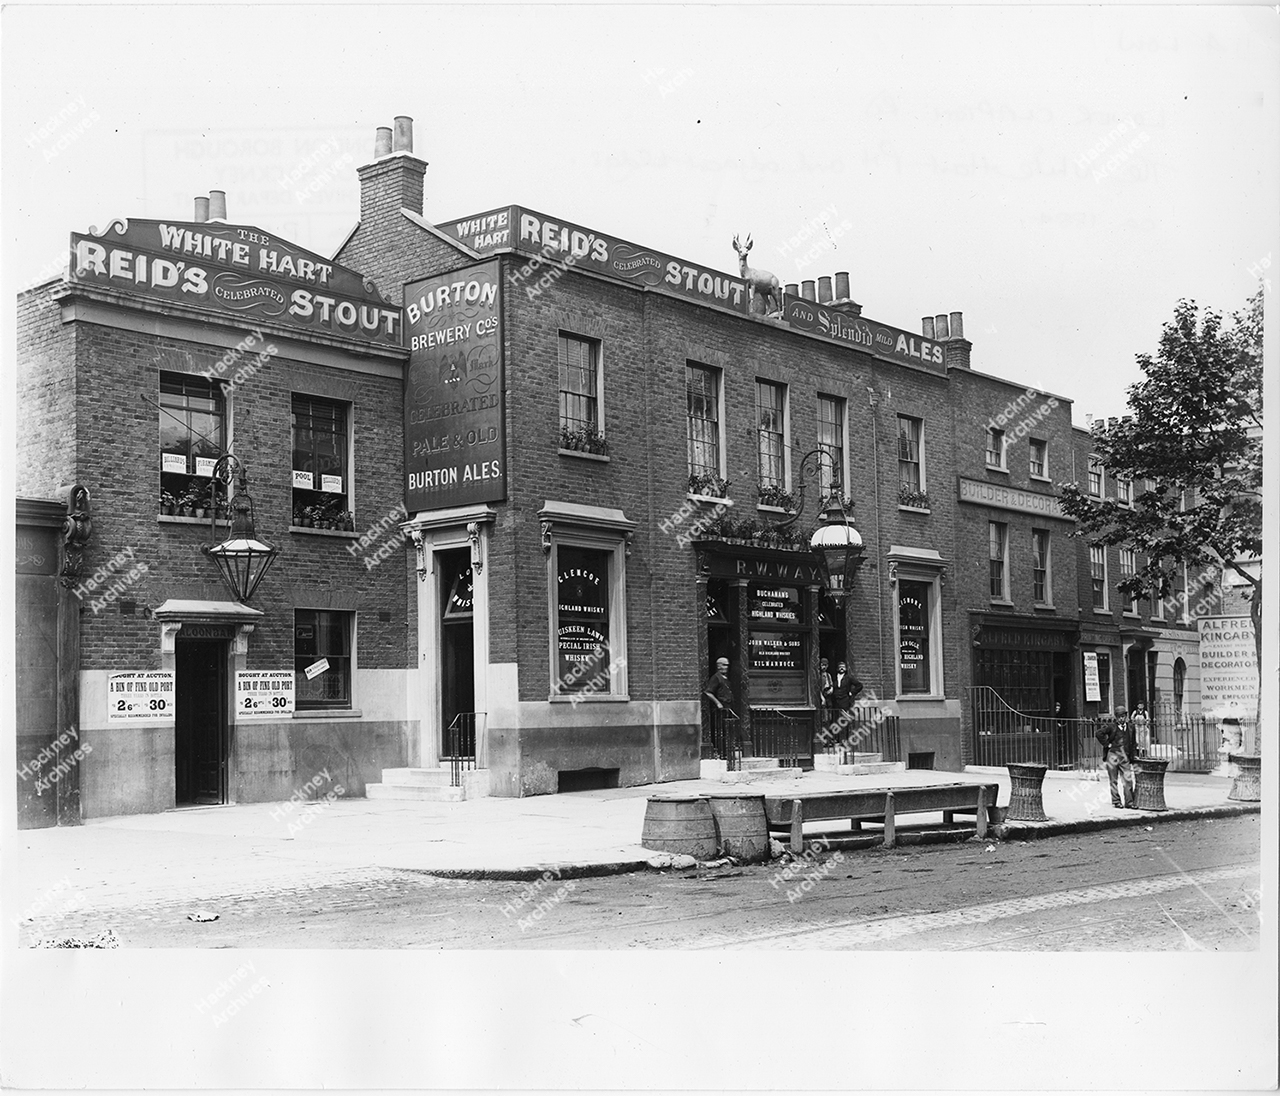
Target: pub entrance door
{"x":201,"y":734}
{"x":457,"y":654}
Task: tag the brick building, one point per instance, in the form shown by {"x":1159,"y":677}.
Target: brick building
{"x":166,"y":346}
{"x":592,"y":449}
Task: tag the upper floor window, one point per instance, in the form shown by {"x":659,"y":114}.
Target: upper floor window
{"x":192,"y":438}
{"x":911,"y":483}
{"x":1129,"y":568}
{"x":1095,"y":477}
{"x":771,"y":403}
{"x":1039,"y":458}
{"x":999,"y":567}
{"x":1041,"y":584}
{"x":322,"y":658}
{"x":581,"y":427}
{"x":1124,"y":491}
{"x":832,"y":473}
{"x":1098,"y":575}
{"x":706,"y":464}
{"x":995,"y":448}
{"x":321,"y":463}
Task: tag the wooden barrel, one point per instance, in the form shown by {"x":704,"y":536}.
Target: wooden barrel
{"x":740,"y":826}
{"x":680,"y":824}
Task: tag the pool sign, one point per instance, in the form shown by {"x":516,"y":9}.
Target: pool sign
{"x":264,"y":693}
{"x":138,"y":698}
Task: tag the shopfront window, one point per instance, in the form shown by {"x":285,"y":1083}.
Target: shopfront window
{"x":914,"y":656}
{"x":583,"y":627}
{"x":777,"y":633}
{"x":322,"y":658}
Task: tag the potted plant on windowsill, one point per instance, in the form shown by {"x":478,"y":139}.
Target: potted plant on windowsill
{"x":584,"y":439}
{"x":908,"y":496}
{"x":168,"y":504}
{"x":708,"y":485}
{"x":772,"y":494}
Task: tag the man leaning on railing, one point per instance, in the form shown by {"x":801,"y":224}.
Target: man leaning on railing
{"x":717,"y":691}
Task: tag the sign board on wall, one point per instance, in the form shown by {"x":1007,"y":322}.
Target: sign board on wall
{"x":140,"y":698}
{"x":235,"y":270}
{"x":1092,"y":687}
{"x":454,"y":407}
{"x":563,"y":245}
{"x":1011,"y":498}
{"x":1228,"y":667}
{"x":264,"y":693}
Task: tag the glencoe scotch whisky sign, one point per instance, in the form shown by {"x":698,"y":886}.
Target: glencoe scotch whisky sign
{"x":235,"y":269}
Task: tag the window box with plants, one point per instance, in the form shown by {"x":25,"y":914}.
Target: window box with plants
{"x":913,"y":499}
{"x":586,"y":438}
{"x":707,"y":485}
{"x":748,"y":531}
{"x":774,"y":496}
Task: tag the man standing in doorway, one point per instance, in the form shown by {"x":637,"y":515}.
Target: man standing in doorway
{"x":844,"y":691}
{"x":720,"y":698}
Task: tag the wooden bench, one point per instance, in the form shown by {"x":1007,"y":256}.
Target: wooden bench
{"x":791,"y":812}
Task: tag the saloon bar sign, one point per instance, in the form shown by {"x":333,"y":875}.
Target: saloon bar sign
{"x":455,"y":414}
{"x":235,"y":270}
{"x":560,"y":244}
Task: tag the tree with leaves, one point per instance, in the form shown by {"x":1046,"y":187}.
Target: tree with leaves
{"x":1192,"y":448}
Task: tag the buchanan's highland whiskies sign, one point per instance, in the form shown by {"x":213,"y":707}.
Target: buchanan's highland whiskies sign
{"x":454,"y":409}
{"x":561,"y":244}
{"x":235,"y":270}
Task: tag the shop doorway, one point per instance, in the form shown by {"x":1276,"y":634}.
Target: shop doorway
{"x":457,"y":654}
{"x":201,"y":736}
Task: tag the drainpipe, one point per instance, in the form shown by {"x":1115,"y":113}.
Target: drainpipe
{"x":875,"y":456}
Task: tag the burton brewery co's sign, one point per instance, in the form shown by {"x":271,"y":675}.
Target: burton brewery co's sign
{"x":564,"y":244}
{"x":875,"y":338}
{"x":455,"y":415}
{"x":235,"y":270}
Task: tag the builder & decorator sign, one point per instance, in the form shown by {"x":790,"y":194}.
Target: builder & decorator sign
{"x":1228,"y":667}
{"x":235,"y":270}
{"x":454,"y":433}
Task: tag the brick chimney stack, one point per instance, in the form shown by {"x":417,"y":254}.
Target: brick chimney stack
{"x":394,"y":180}
{"x":948,"y":329}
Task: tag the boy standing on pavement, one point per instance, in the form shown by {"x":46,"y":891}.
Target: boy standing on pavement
{"x":1119,"y":748}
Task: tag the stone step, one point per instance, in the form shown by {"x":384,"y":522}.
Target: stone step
{"x":829,"y":762}
{"x":429,"y":785}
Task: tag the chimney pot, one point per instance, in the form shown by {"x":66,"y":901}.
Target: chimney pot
{"x":926,"y":327}
{"x":807,"y":291}
{"x":382,"y":142}
{"x":824,"y":291}
{"x":403,"y":140}
{"x":202,"y":210}
{"x":792,"y":289}
{"x":217,"y":205}
{"x":842,"y":285}
{"x":957,"y":325}
{"x":940,"y":327}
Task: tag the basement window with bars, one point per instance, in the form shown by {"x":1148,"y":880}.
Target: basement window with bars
{"x":193,"y":418}
{"x":321,"y":464}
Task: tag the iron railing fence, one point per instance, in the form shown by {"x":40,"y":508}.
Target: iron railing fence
{"x":781,"y":734}
{"x":1002,"y":734}
{"x":720,"y":736}
{"x":859,"y":730}
{"x":460,"y":744}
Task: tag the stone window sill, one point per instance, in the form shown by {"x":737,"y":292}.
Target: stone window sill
{"x":918,"y":696}
{"x":771,"y":509}
{"x":1004,"y":603}
{"x":345,"y":534}
{"x":997,"y":468}
{"x":176,"y":519}
{"x":1045,"y":607}
{"x":593,"y":698}
{"x":329,"y":713}
{"x":712,"y":500}
{"x":1040,"y":479}
{"x":915,"y":509}
{"x":1102,"y":612}
{"x":603,"y":457}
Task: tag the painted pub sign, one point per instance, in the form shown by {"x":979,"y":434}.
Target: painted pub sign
{"x":455,"y":412}
{"x":238,"y":271}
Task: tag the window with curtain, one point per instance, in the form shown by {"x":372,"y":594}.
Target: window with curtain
{"x":910,"y":472}
{"x":579,"y":384}
{"x":1042,"y":591}
{"x":998,"y":535}
{"x":831,"y":470}
{"x":702,"y":393}
{"x":1098,"y":575}
{"x":771,"y":433}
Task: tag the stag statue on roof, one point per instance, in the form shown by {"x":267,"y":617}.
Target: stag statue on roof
{"x":766,"y":290}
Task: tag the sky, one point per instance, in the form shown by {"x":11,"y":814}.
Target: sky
{"x":1062,"y":176}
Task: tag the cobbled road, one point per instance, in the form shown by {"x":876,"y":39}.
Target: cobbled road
{"x":1176,"y":886}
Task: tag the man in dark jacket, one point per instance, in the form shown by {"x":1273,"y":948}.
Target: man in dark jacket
{"x":717,"y":692}
{"x":1119,"y":748}
{"x":845,"y":688}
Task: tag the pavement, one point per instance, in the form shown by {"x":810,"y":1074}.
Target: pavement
{"x":199,"y":852}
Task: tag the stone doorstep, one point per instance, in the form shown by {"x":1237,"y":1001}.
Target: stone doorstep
{"x":429,"y":785}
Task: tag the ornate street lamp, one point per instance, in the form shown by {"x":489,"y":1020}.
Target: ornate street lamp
{"x":242,"y":558}
{"x":836,"y":543}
